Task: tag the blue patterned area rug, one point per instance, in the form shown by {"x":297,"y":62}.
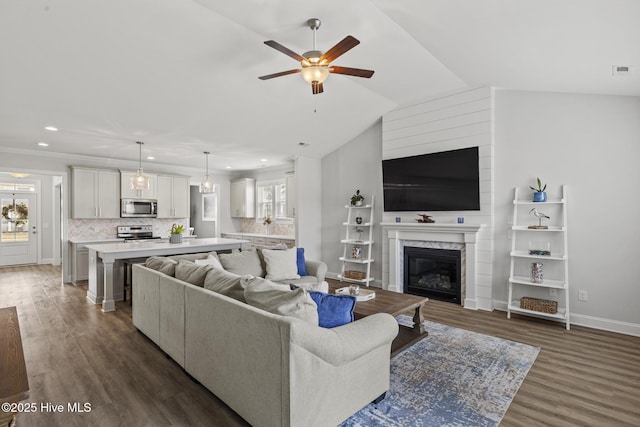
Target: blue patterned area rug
{"x":452,"y":377}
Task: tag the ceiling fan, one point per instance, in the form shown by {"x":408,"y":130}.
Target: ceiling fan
{"x":316,"y":66}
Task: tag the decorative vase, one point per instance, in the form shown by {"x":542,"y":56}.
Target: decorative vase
{"x":540,"y":196}
{"x":359,"y":203}
{"x":175,"y":238}
{"x":358,"y":220}
{"x":356,"y":252}
{"x":536,"y":272}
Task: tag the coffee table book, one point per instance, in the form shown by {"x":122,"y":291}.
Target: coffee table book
{"x":365,"y":294}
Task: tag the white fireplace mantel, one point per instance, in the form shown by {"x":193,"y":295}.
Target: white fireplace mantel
{"x":397,"y":235}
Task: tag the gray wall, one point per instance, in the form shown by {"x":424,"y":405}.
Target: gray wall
{"x":590,"y":143}
{"x":355,"y":165}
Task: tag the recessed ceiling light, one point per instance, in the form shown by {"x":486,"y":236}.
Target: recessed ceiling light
{"x":150,"y":158}
{"x":264,"y":160}
{"x":43,"y":144}
{"x":228,"y":167}
{"x":51,"y":128}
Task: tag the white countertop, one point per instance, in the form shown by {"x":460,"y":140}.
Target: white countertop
{"x":272,"y":236}
{"x":160,"y":246}
{"x":95,"y":240}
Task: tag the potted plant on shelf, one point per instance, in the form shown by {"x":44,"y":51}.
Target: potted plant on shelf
{"x":539,"y":195}
{"x":357,"y":199}
{"x":175,"y":235}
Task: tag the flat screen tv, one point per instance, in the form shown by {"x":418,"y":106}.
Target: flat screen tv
{"x":444,"y":181}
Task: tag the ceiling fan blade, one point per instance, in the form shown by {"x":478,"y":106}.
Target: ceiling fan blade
{"x":342,"y":47}
{"x":357,"y":72}
{"x":281,"y":73}
{"x":277,"y":46}
{"x":316,"y":88}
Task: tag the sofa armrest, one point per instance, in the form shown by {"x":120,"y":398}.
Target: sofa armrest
{"x":317,"y":269}
{"x":345,"y":343}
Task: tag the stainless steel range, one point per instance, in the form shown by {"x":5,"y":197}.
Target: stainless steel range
{"x":136,"y":232}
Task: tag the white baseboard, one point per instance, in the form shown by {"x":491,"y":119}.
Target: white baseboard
{"x":587,"y":321}
{"x":46,"y":261}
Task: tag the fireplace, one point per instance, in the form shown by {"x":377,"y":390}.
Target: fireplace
{"x":434,"y":273}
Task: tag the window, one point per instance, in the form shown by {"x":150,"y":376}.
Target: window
{"x":271,"y":200}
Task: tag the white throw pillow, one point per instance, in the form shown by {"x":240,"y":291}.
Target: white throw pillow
{"x":211,"y":260}
{"x":281,"y":264}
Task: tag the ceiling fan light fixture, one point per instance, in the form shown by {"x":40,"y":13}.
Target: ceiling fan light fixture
{"x":206,"y":185}
{"x":315,"y":73}
{"x":140,"y":181}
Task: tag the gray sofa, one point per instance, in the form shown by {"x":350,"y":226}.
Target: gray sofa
{"x":272,"y":370}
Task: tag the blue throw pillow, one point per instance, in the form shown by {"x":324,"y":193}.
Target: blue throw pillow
{"x":302,"y":268}
{"x":333,"y":310}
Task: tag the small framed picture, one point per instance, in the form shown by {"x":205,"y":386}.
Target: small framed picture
{"x":209,"y":207}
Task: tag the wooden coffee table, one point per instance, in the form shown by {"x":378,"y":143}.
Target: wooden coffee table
{"x":392,"y":303}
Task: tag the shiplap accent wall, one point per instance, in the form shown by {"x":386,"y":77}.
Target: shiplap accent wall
{"x":460,"y":119}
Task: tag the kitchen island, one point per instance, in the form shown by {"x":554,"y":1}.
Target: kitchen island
{"x":106,"y":271}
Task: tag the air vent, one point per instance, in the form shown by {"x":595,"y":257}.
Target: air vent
{"x":621,"y":70}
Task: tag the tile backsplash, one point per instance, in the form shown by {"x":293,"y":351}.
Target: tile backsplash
{"x":106,"y":228}
{"x":249,"y":225}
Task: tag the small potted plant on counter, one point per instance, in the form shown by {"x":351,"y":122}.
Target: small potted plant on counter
{"x":357,"y":199}
{"x":176,"y":233}
{"x":539,"y":195}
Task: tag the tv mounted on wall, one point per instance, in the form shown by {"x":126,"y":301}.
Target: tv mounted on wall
{"x":444,"y":181}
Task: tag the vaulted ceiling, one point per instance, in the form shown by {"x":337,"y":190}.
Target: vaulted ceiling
{"x":182,"y":75}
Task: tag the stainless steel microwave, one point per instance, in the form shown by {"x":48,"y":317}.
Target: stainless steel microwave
{"x":138,"y":208}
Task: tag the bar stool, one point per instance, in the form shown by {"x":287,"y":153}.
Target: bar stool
{"x":128,"y":279}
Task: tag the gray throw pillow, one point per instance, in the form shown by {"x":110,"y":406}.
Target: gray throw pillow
{"x":162,"y":264}
{"x":225,"y":283}
{"x":190,"y":272}
{"x":242,"y":263}
{"x":280,"y":299}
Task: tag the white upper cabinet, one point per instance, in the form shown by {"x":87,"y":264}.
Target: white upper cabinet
{"x":173,"y":196}
{"x":243,"y":195}
{"x":127,"y":193}
{"x":95,"y":193}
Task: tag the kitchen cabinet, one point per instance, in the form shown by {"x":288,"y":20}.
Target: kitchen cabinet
{"x":290,"y":182}
{"x":173,"y":196}
{"x":80,"y":258}
{"x":243,"y":195}
{"x":95,"y":193}
{"x":127,"y":193}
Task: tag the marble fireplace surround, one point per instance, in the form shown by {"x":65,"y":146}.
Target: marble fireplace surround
{"x":462,"y":237}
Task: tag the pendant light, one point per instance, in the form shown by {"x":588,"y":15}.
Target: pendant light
{"x":206,"y":185}
{"x":140,"y":181}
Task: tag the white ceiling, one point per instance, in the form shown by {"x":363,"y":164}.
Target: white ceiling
{"x":182,"y":75}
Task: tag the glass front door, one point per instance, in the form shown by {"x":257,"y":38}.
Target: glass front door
{"x":18,"y":243}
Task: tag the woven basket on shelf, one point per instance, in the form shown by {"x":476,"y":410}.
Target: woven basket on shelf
{"x":352,"y":274}
{"x":537,"y":304}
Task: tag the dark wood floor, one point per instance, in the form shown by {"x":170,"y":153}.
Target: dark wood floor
{"x":76,"y":353}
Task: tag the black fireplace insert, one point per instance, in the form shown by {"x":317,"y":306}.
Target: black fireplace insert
{"x":433,"y":273}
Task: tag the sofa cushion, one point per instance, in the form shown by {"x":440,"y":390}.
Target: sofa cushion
{"x":280,"y":299}
{"x":162,"y":264}
{"x":281,"y":264}
{"x":242,"y":263}
{"x":300,"y":261}
{"x":225,"y":283}
{"x":190,"y":272}
{"x":333,"y":310}
{"x":309,"y":283}
{"x":212,"y":260}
